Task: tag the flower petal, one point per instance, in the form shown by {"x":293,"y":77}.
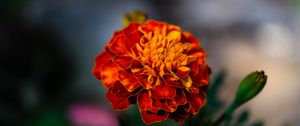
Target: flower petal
{"x":172,"y":81}
{"x":195,"y":43}
{"x":200,"y":54}
{"x":196,"y":101}
{"x":109,"y":72}
{"x":150,"y":117}
{"x":163,"y":105}
{"x":117,"y":102}
{"x":145,"y":102}
{"x":120,"y":90}
{"x":182,"y":113}
{"x":193,"y":89}
{"x":194,"y":68}
{"x":116,"y":44}
{"x":163,"y":91}
{"x":202,"y":77}
{"x":101,"y":59}
{"x":128,"y":80}
{"x":182,"y":71}
{"x":179,"y":99}
{"x":144,"y":80}
{"x":154,"y":25}
{"x":132,"y":36}
{"x":122,"y":61}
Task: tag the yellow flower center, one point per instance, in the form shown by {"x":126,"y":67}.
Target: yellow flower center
{"x":161,"y":52}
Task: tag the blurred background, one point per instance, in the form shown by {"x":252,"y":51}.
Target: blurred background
{"x":47,"y":51}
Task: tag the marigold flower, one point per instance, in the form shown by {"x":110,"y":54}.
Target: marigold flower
{"x":157,"y":66}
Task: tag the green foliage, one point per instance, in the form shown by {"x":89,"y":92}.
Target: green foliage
{"x":50,"y":117}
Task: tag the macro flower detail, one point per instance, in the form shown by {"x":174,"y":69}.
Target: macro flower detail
{"x":157,"y":66}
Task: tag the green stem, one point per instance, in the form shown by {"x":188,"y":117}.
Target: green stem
{"x":226,"y":116}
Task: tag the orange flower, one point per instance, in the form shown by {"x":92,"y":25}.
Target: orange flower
{"x":157,"y":66}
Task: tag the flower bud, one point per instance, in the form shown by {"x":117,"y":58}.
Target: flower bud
{"x":137,"y":16}
{"x":250,"y":86}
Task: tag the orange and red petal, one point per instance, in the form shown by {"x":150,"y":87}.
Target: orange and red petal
{"x":128,"y":80}
{"x":122,"y":60}
{"x":108,"y":73}
{"x":195,"y":43}
{"x":193,"y":88}
{"x":182,"y":113}
{"x":202,"y":77}
{"x":196,"y":101}
{"x":144,"y":80}
{"x":194,"y":68}
{"x":117,"y":88}
{"x":154,"y":25}
{"x":200,"y":54}
{"x":169,"y":80}
{"x":116,"y":44}
{"x":101,"y":59}
{"x":163,"y":91}
{"x":132,"y":36}
{"x":182,"y":71}
{"x":163,"y":105}
{"x":145,"y":102}
{"x":117,"y":102}
{"x":150,"y":117}
{"x":179,"y":99}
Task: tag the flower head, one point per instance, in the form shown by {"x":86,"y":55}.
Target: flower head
{"x":157,"y":66}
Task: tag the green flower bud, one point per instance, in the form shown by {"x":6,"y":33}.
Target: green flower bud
{"x":136,"y":15}
{"x":250,"y":87}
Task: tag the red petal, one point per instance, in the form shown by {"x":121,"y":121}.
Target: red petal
{"x":137,"y":68}
{"x":132,"y":35}
{"x":139,"y":71}
{"x":152,"y":25}
{"x":128,"y":80}
{"x":200,"y":54}
{"x":117,"y":102}
{"x":162,"y":104}
{"x":116,"y":44}
{"x":163,"y":91}
{"x":109,"y":72}
{"x":193,"y":88}
{"x":180,"y":99}
{"x":145,"y":102}
{"x":169,"y":80}
{"x":101,"y":59}
{"x":196,"y":101}
{"x":194,"y":68}
{"x":182,"y":71}
{"x":149,"y":117}
{"x":144,"y":80}
{"x":195,"y":43}
{"x":118,"y":87}
{"x":182,"y":113}
{"x":122,"y":61}
{"x":202,"y":77}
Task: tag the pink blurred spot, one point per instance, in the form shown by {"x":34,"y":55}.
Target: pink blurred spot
{"x":91,"y":115}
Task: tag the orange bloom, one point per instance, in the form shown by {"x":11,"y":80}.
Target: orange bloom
{"x":157,"y":66}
